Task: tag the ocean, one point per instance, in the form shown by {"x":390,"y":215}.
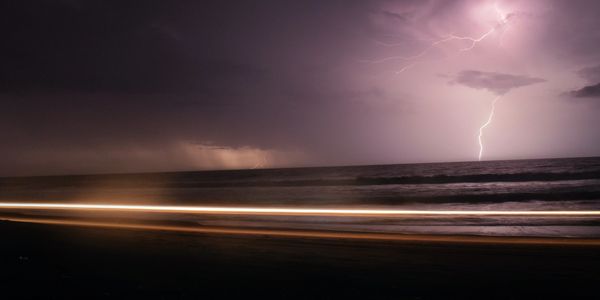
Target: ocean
{"x":541,"y":184}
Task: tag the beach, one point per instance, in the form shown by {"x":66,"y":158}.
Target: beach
{"x":54,"y":261}
{"x":501,"y":230}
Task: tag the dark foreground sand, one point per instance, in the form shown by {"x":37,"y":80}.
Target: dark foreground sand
{"x":52,"y":261}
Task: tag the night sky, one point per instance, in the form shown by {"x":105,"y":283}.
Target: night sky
{"x":135,"y":86}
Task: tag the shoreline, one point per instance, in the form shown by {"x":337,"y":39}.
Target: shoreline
{"x":317,"y":234}
{"x":51,"y":261}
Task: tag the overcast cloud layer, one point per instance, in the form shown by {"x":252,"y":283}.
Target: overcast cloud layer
{"x":127,"y":86}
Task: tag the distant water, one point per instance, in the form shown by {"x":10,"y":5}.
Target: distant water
{"x":544,"y":184}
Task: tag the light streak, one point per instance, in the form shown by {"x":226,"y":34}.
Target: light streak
{"x":319,"y":234}
{"x":286,"y":211}
{"x":489,"y":120}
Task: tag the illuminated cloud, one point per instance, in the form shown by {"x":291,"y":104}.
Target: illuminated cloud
{"x":498,"y":83}
{"x":102,"y":86}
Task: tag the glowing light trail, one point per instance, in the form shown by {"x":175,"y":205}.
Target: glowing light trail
{"x":321,"y":234}
{"x":489,"y":120}
{"x":284,"y":211}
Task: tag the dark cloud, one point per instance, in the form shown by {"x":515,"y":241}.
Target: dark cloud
{"x":102,"y":85}
{"x":109,"y":46}
{"x":590,"y":91}
{"x":118,"y":80}
{"x":591,"y":74}
{"x":498,"y":83}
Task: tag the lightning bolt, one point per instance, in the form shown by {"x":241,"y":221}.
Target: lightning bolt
{"x":473,"y":43}
{"x":412,"y":57}
{"x":489,"y":120}
{"x":502,"y":23}
{"x":261,"y":164}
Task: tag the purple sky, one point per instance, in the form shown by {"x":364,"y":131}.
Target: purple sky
{"x":129,"y":86}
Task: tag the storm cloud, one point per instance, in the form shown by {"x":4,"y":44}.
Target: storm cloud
{"x":498,"y":83}
{"x":591,"y":74}
{"x":125,"y":86}
{"x":590,"y":91}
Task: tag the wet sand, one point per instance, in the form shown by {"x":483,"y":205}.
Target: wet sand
{"x":57,"y":261}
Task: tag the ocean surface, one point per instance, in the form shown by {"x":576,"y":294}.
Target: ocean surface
{"x":543,"y":184}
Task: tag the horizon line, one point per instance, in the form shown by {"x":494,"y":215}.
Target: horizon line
{"x":279,"y":168}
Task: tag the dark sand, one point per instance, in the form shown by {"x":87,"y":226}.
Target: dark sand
{"x":52,"y":261}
